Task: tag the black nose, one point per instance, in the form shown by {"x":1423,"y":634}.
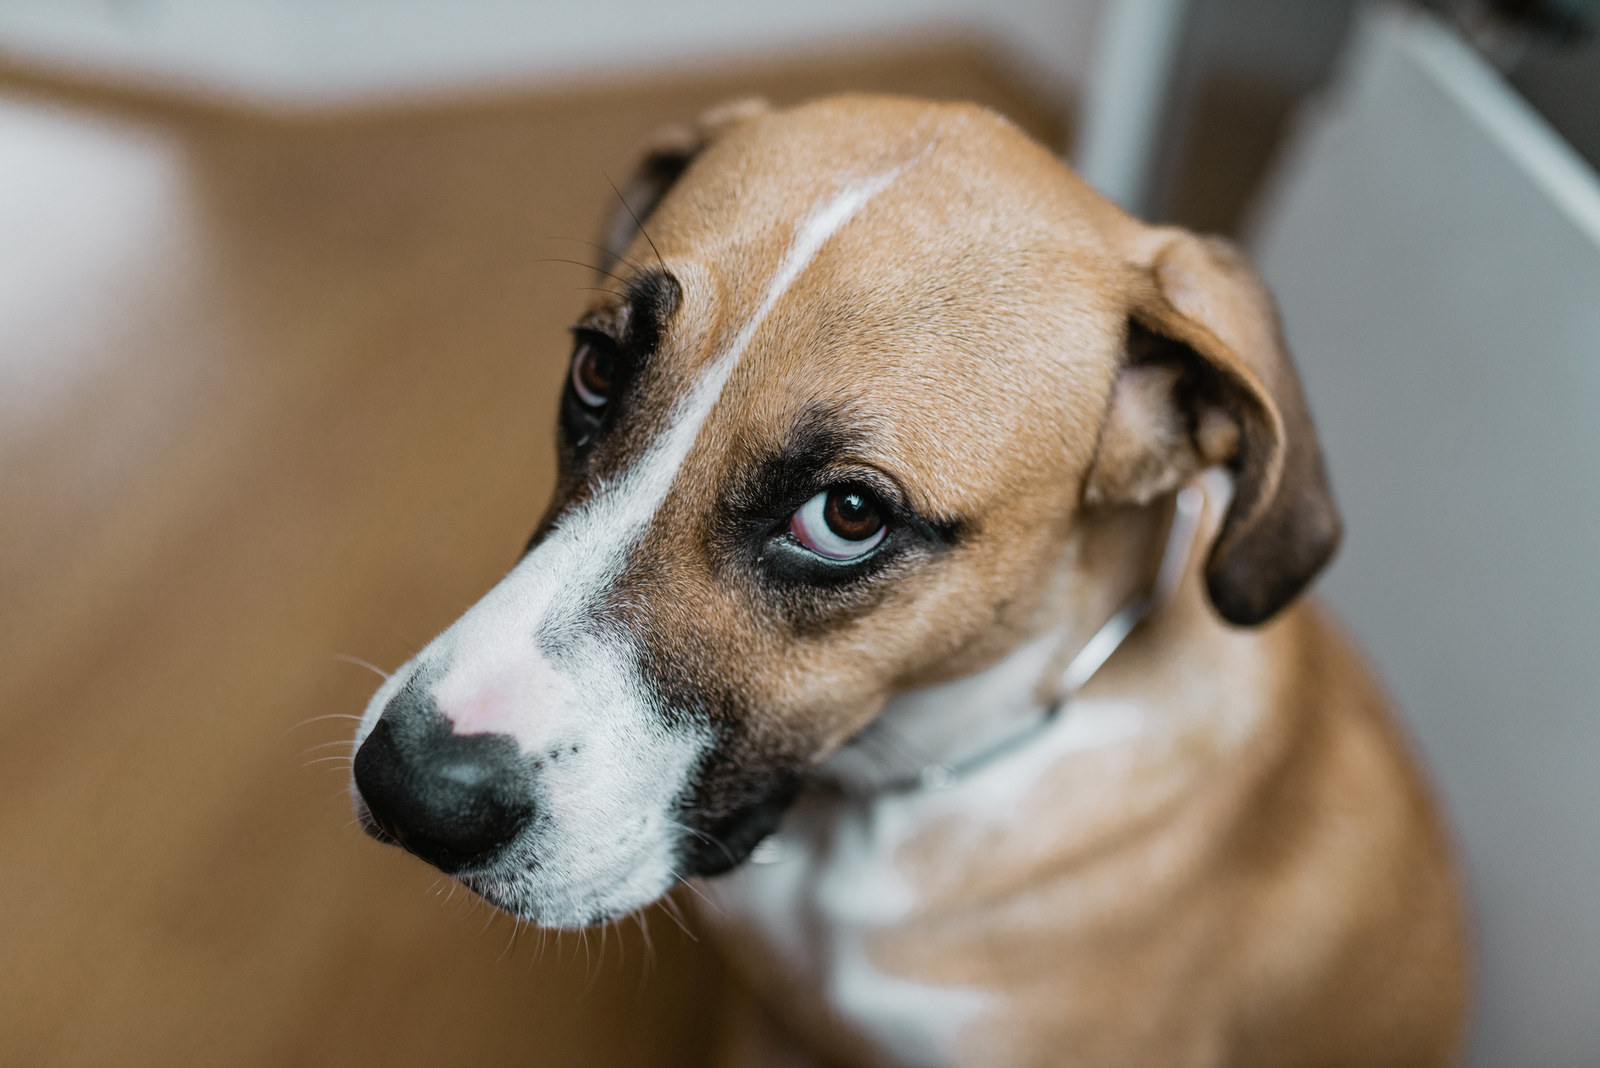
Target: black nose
{"x":453,"y":800}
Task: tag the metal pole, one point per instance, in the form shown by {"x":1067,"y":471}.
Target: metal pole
{"x":1126,"y":98}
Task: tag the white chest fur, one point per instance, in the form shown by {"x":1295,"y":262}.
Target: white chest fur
{"x":836,"y":887}
{"x":817,"y":908}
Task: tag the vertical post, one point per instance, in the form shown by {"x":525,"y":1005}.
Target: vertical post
{"x":1126,"y":99}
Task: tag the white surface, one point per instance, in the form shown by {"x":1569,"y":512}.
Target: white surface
{"x":88,"y":198}
{"x":1436,"y":254}
{"x":1126,"y":96}
{"x":297,"y":52}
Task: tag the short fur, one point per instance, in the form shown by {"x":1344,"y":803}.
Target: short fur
{"x":1222,"y":855}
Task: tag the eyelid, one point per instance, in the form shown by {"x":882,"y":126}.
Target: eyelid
{"x":849,"y":472}
{"x":587,"y":332}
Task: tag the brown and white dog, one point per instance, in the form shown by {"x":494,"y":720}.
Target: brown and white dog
{"x":885,"y":422}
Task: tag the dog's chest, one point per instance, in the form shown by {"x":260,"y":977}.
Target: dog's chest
{"x":817,"y":912}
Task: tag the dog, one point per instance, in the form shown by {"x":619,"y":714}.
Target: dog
{"x":926,"y":564}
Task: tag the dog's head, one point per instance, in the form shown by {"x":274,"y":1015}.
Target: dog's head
{"x":828,"y":440}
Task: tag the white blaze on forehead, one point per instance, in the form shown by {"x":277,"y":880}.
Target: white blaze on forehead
{"x":624,"y":508}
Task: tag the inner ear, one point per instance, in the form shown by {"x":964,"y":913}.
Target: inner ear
{"x":665,"y":158}
{"x":1169,"y":419}
{"x":664,"y":162}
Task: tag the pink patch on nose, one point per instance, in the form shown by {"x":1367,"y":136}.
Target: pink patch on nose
{"x":483,"y":712}
{"x":523,"y":699}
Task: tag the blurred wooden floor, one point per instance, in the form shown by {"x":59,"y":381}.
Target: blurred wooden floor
{"x":273,"y":391}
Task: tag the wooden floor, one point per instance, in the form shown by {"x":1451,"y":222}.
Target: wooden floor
{"x":274,"y":393}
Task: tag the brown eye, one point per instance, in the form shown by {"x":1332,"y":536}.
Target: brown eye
{"x":594,"y":372}
{"x":842,"y":523}
{"x":852,"y":515}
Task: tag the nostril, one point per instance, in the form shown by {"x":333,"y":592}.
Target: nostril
{"x":453,"y":800}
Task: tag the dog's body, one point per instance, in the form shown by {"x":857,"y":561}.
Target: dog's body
{"x":1187,"y":870}
{"x":884,"y":425}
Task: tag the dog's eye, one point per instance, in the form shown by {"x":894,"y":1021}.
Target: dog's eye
{"x":841,"y":523}
{"x":594,"y":371}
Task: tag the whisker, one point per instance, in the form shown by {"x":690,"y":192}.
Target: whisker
{"x":598,"y":248}
{"x":644,"y":929}
{"x":697,"y":892}
{"x":318,"y":719}
{"x":511,"y":943}
{"x":580,"y":263}
{"x":644,"y":969}
{"x":408,"y":640}
{"x":636,"y":220}
{"x":325,"y":745}
{"x":670,"y":907}
{"x":703,"y":836}
{"x":346,"y":658}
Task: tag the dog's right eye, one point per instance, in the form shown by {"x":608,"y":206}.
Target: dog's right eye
{"x":842,"y":523}
{"x":594,"y":371}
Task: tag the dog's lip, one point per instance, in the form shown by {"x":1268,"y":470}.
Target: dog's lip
{"x":500,"y":887}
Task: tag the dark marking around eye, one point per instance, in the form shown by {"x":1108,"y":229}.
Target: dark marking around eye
{"x":752,"y":531}
{"x":653,"y":297}
{"x":773,"y":485}
{"x":611,"y":346}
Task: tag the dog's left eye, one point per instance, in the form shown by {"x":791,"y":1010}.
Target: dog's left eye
{"x":594,"y":372}
{"x":840,"y":523}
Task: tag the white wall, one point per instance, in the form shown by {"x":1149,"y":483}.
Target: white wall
{"x":1435,"y":250}
{"x":306,"y":52}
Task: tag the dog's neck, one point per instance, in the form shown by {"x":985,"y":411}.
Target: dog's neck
{"x":944,"y":724}
{"x":926,"y":737}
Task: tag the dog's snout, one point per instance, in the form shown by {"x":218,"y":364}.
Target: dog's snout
{"x":453,"y":800}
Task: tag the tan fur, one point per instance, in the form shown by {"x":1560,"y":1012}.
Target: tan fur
{"x":1261,"y":881}
{"x":1280,"y":896}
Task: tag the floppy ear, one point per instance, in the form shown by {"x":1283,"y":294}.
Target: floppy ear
{"x":1206,"y":380}
{"x":666,"y":156}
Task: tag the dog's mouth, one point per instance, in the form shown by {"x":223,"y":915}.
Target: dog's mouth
{"x":548,"y":896}
{"x":582,"y":825}
{"x":713,"y":844}
{"x":498,"y":893}
{"x":519,"y":884}
{"x":546,"y":889}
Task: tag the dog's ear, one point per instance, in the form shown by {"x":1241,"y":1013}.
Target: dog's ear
{"x":665,"y":157}
{"x":1206,"y":380}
